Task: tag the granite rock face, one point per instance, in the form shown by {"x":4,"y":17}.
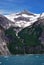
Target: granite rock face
{"x":3,"y":44}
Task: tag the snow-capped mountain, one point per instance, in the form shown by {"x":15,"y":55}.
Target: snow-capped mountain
{"x":24,"y":24}
{"x":22,"y":19}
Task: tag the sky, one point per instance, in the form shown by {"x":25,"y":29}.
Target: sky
{"x":11,"y":6}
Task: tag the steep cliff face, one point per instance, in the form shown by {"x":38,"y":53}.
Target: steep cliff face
{"x":3,"y":44}
{"x":41,"y":21}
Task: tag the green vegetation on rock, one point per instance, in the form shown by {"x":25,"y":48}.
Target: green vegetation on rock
{"x":27,"y":40}
{"x":31,"y":35}
{"x":14,"y":41}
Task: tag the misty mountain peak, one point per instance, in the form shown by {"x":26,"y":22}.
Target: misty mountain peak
{"x":25,"y":12}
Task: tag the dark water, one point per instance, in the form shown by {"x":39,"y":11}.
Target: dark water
{"x":22,"y":60}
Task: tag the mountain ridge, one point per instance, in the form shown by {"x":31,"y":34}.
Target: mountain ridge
{"x":20,"y":28}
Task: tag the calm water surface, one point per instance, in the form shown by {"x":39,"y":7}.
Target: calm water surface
{"x":22,"y":60}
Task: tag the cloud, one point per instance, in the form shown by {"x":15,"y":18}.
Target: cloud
{"x":5,"y":12}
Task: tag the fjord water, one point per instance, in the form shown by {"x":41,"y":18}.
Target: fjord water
{"x":30,"y":59}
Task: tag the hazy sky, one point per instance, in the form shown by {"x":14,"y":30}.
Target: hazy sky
{"x":9,"y":6}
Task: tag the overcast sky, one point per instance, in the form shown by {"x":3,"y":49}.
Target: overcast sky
{"x":10,"y":6}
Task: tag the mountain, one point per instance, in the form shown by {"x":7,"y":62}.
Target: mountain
{"x":22,"y":33}
{"x":23,"y":19}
